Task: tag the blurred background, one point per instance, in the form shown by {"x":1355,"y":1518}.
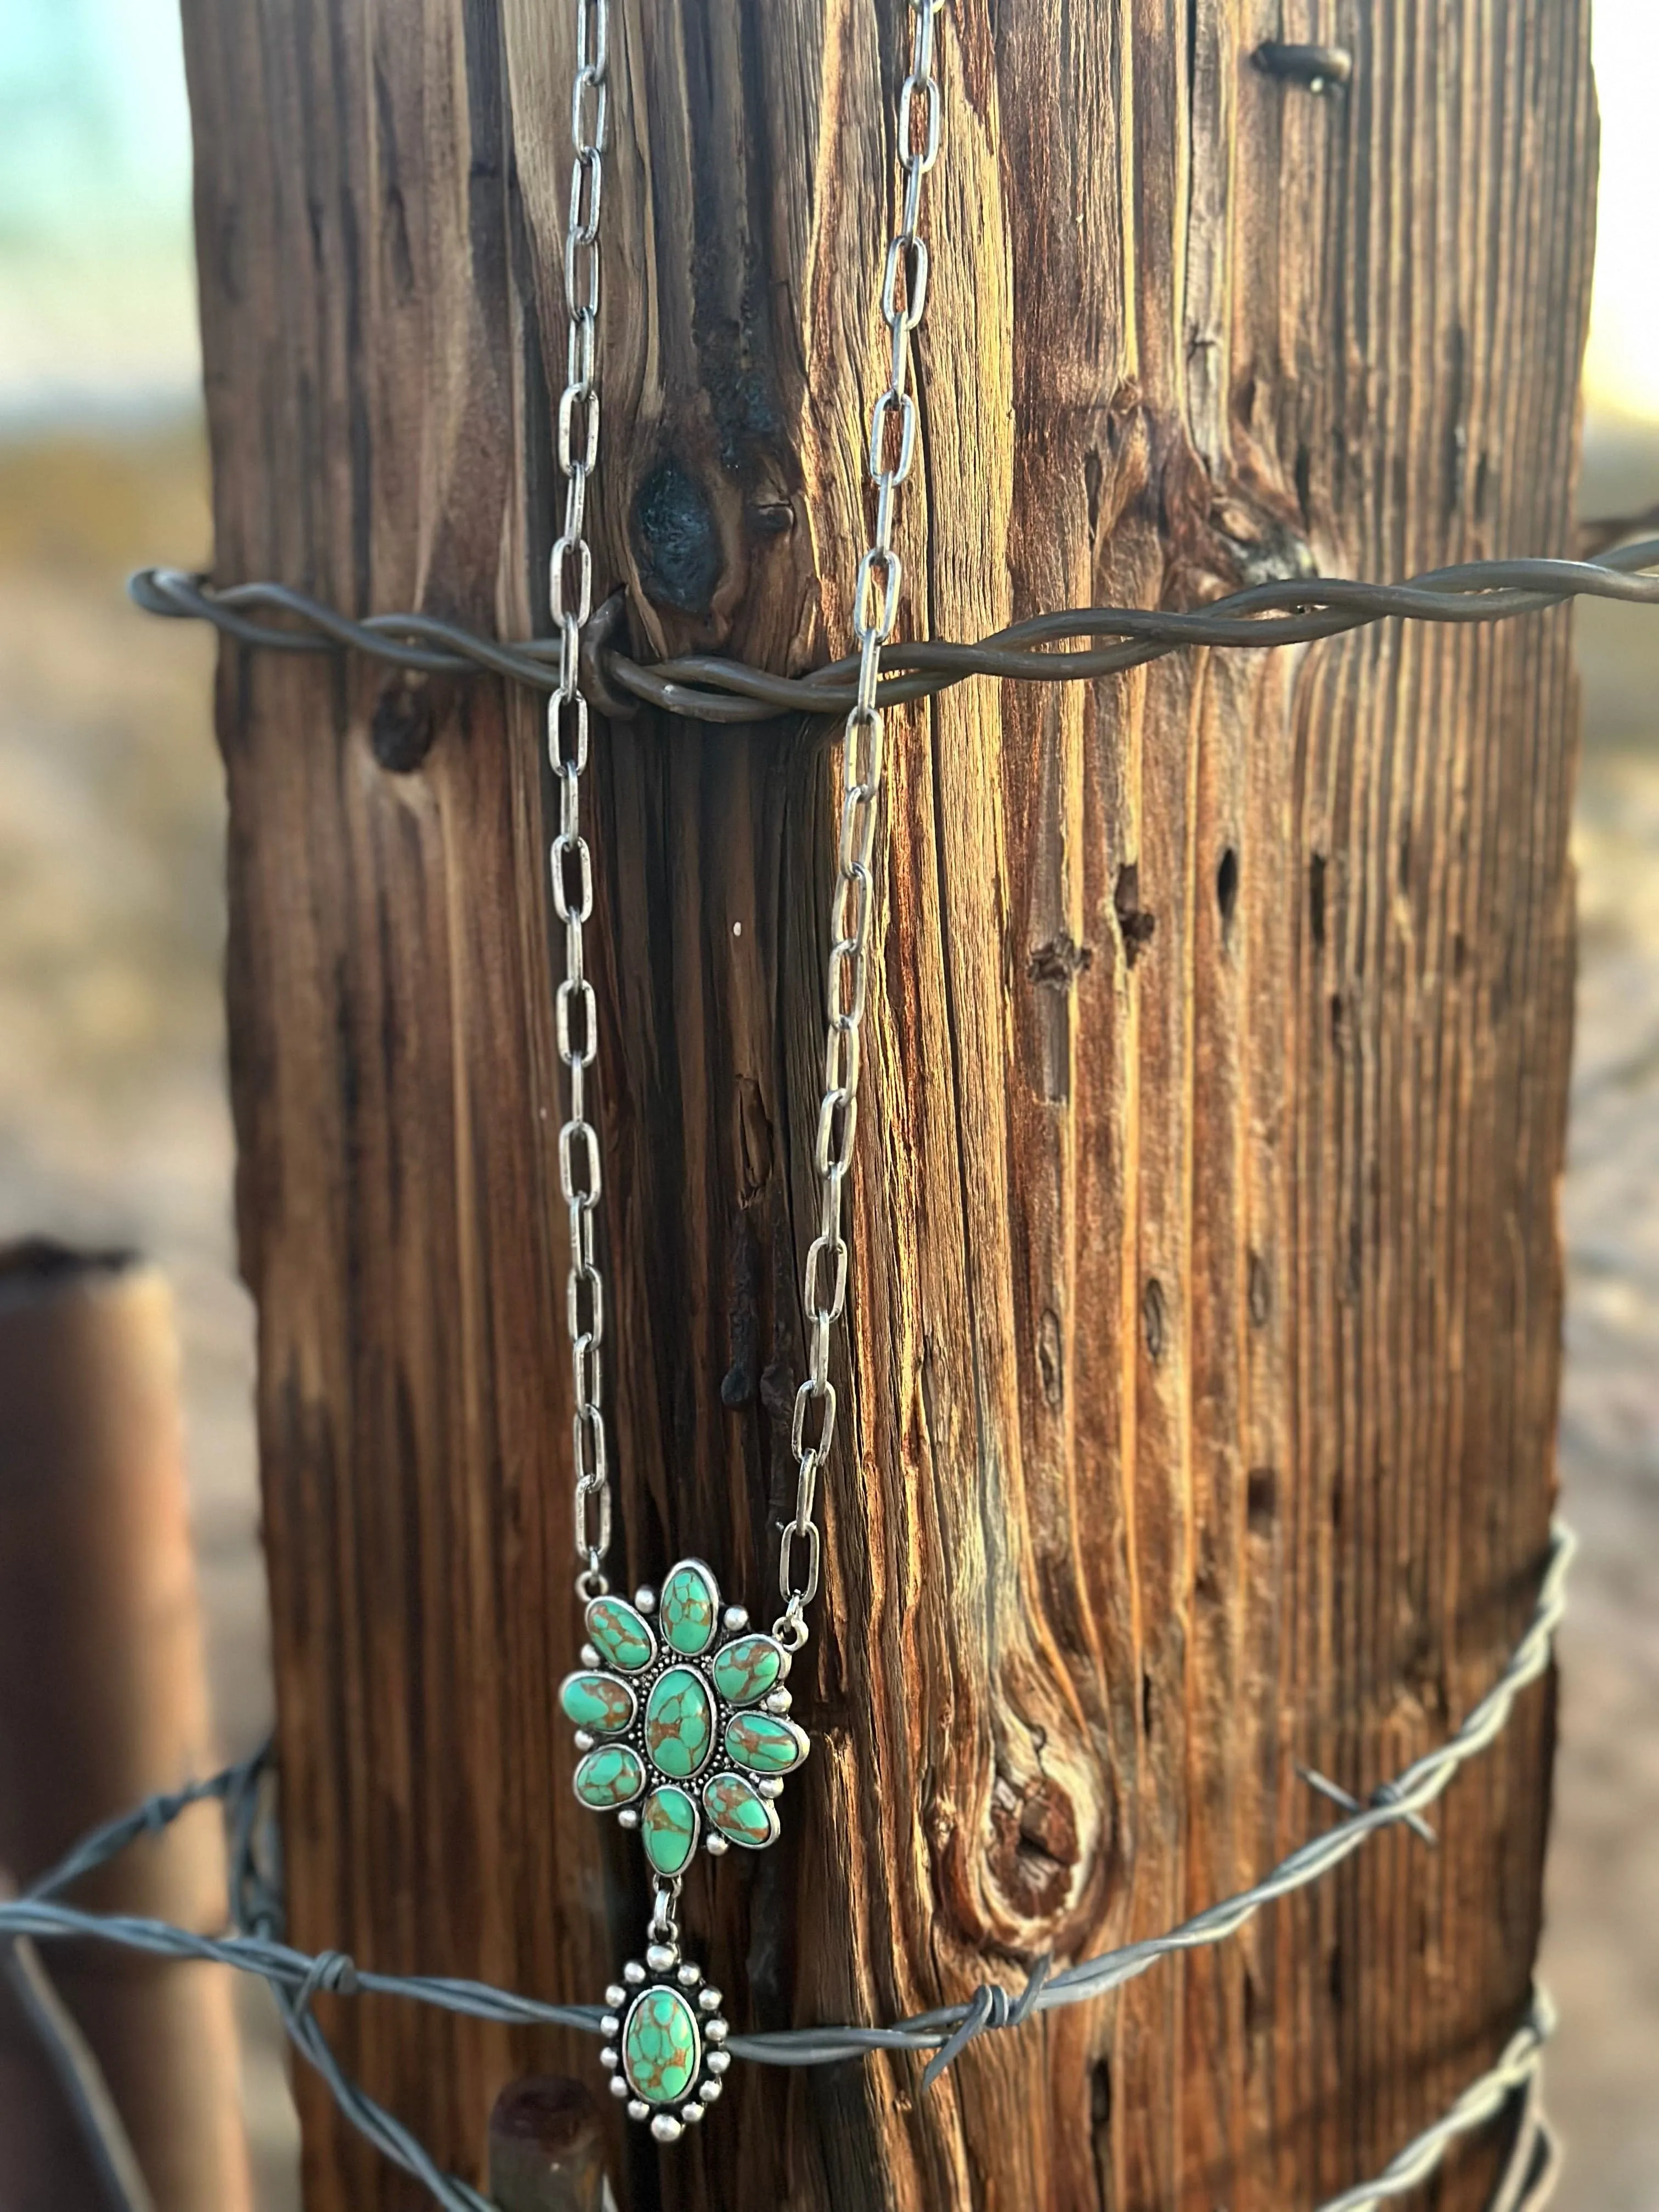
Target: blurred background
{"x":113,"y":1124}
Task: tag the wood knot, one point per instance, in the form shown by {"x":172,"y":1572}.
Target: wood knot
{"x":1261,"y":546}
{"x":676,"y":539}
{"x":1034,"y":1850}
{"x":404,"y":724}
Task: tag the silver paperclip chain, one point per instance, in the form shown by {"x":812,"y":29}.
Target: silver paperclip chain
{"x":570,"y":586}
{"x":875,"y":614}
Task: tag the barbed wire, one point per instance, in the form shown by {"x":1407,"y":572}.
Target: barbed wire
{"x":295,"y":1978}
{"x":1517,"y":2070}
{"x":705,"y":688}
{"x":701,"y":687}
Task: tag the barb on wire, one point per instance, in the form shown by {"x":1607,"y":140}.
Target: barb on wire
{"x":295,"y":1978}
{"x":103,"y":1844}
{"x":1299,"y":610}
{"x":1411,"y":1793}
{"x":1383,"y":1791}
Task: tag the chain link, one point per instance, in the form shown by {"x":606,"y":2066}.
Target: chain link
{"x":571,"y":590}
{"x":892,"y":449}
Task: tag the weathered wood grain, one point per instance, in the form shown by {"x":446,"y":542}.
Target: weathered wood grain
{"x":1198,"y":1401}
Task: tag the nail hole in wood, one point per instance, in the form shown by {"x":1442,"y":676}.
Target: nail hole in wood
{"x":1260,"y":1498}
{"x":1226,"y":887}
{"x":1152,"y":1316}
{"x":1314,"y":68}
{"x":1051,"y":1359}
{"x":1100,"y":2092}
{"x":1135,"y":928}
{"x":1059,"y":962}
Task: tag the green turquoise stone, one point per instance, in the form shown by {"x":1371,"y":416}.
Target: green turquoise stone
{"x":612,"y":1775}
{"x":618,"y":1632}
{"x":599,"y":1702}
{"x":679,"y":1723}
{"x":764,"y":1742}
{"x":739,"y":1812}
{"x":668,"y":1829}
{"x":689,"y":1608}
{"x":661,"y":2049}
{"x":746,"y":1669}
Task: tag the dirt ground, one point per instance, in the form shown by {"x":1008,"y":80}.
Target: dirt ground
{"x":113,"y":1127}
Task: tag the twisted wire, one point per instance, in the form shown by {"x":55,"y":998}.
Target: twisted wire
{"x":701,"y":687}
{"x":1515,"y":2069}
{"x":707,"y":689}
{"x":295,"y":1978}
{"x":81,"y":2078}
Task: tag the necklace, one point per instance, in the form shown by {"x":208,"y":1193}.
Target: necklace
{"x":680,"y":1705}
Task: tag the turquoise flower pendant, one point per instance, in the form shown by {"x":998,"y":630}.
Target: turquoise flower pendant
{"x":683,"y":1726}
{"x":682,"y":1720}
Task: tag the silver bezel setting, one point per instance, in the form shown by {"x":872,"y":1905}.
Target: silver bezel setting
{"x":669,"y":2118}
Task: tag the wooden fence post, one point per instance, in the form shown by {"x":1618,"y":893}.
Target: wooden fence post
{"x":103,"y":1701}
{"x":1203,"y":1359}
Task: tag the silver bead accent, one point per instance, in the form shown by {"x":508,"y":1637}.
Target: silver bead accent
{"x":688,"y":1976}
{"x":616,"y":1995}
{"x":714,"y":2031}
{"x":608,"y":2057}
{"x":666,"y":2128}
{"x":646,"y":1600}
{"x":618,"y":2086}
{"x":770,"y":1785}
{"x":637,"y":2110}
{"x":660,"y":1957}
{"x":716,"y":1846}
{"x":584,"y":1739}
{"x":629,"y":1817}
{"x":633,"y":1973}
{"x":590,"y":1656}
{"x":734,"y":1617}
{"x":609,"y":2023}
{"x":710,"y":2092}
{"x":717,"y":2061}
{"x":710,"y":1999}
{"x":692,"y":2111}
{"x":778,"y":1701}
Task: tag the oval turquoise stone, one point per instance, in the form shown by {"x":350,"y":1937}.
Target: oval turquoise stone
{"x":612,"y":1775}
{"x":689,"y":1608}
{"x":679,"y":1723}
{"x":662,"y":2049}
{"x":668,"y":1829}
{"x":764,"y":1742}
{"x":599,"y":1702}
{"x":745,"y":1669}
{"x":618,"y":1632}
{"x":736,"y":1808}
